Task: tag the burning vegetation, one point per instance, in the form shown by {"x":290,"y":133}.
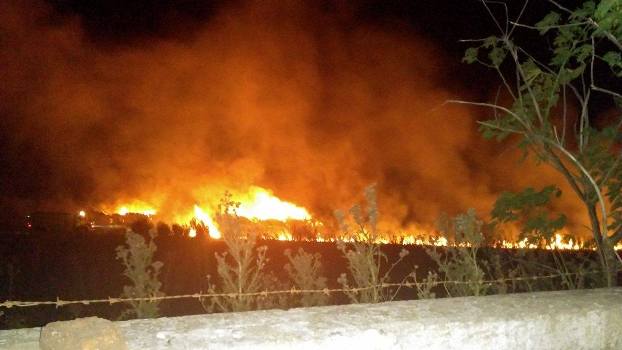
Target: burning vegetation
{"x":168,"y":125}
{"x":269,"y":218}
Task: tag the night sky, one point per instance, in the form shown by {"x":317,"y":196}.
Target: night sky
{"x":169,"y":101}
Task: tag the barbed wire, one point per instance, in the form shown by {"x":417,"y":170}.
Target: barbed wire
{"x":293,"y":291}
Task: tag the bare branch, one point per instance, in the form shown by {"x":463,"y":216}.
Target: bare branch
{"x":505,"y":83}
{"x":607,"y":33}
{"x":564,"y":116}
{"x":518,"y":18}
{"x":485,"y":3}
{"x":524,"y":78}
{"x":612,"y":93}
{"x":565,"y":9}
{"x":490,"y":105}
{"x":588,"y":176}
{"x":557,"y":26}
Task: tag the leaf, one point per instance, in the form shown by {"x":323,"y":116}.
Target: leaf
{"x":470,"y":55}
{"x":490,"y":41}
{"x":532,"y":71}
{"x":603,"y":9}
{"x":497,"y":55}
{"x":547,"y":22}
{"x":570,"y":74}
{"x":487,"y":133}
{"x":583,"y":52}
{"x":614,"y":60}
{"x":585,"y":11}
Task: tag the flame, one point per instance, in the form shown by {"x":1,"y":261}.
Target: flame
{"x":285,"y":236}
{"x":137,"y":207}
{"x":205,"y":218}
{"x":192,"y":233}
{"x":257,"y":204}
{"x":82,"y":213}
{"x":261,"y":204}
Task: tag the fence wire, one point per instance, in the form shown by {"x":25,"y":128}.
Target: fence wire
{"x":293,"y":291}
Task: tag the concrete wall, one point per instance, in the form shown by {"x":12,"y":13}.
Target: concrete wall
{"x":586,"y":319}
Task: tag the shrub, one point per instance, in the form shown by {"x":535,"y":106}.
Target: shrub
{"x":305,"y":271}
{"x":363,"y":255}
{"x":462,"y":274}
{"x":241,"y":269}
{"x":137,"y":257}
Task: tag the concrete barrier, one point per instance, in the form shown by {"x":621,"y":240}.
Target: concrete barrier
{"x":585,"y":319}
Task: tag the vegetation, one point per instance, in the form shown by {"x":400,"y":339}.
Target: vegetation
{"x":137,"y":257}
{"x":363,"y":255}
{"x":463,"y":273}
{"x":305,"y":271}
{"x":529,"y":210}
{"x":550,"y":114}
{"x":543,"y":92}
{"x":241,"y":269}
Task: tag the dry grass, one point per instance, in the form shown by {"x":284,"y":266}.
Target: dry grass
{"x":363,"y":255}
{"x":137,"y":257}
{"x":305,"y":271}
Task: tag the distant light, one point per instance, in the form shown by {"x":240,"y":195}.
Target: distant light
{"x":82,"y":214}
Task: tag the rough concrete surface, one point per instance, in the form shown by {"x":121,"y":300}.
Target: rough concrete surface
{"x":585,"y":319}
{"x":90,"y":333}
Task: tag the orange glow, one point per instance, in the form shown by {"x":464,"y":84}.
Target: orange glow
{"x":261,"y":204}
{"x":192,"y":233}
{"x":263,"y":208}
{"x":136,"y":207}
{"x":285,"y":236}
{"x":205,"y":218}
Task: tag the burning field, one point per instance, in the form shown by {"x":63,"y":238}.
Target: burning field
{"x":271,"y":218}
{"x":176,"y":157}
{"x":291,"y":107}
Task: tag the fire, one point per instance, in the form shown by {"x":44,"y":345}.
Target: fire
{"x":258,"y":204}
{"x":263,"y":205}
{"x":285,"y":236}
{"x":192,"y":233}
{"x":204,"y":217}
{"x":137,"y":207}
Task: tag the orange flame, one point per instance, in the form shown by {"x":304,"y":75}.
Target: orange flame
{"x":261,"y":204}
{"x":205,"y":218}
{"x":137,"y":207}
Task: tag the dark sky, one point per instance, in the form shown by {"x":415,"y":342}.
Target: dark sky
{"x":171,"y":101}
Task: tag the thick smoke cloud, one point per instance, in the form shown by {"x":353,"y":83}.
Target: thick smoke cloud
{"x":277,"y":94}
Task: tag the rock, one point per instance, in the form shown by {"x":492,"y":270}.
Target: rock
{"x":91,"y":333}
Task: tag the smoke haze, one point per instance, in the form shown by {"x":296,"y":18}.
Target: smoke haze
{"x":286,"y":95}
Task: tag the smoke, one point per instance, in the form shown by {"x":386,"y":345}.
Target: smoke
{"x":285,"y":95}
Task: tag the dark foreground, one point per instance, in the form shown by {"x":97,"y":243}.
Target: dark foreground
{"x":83,"y":267}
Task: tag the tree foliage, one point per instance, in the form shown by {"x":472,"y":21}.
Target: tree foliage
{"x":544,"y":93}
